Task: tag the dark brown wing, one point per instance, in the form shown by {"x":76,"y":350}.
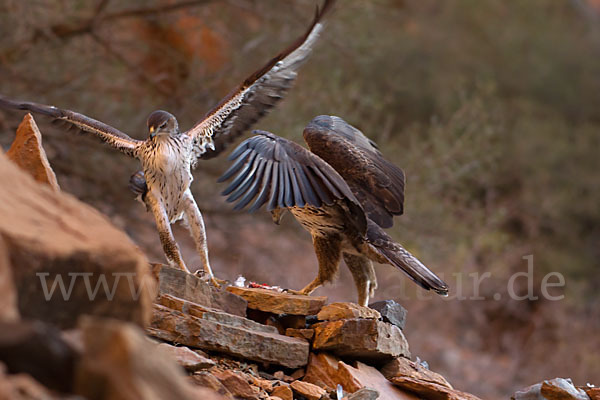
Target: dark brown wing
{"x":256,"y":95}
{"x":271,"y":170}
{"x":107,"y":133}
{"x":376,"y":183}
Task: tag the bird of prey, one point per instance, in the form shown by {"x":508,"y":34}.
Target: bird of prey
{"x":342,"y":191}
{"x":168,"y":155}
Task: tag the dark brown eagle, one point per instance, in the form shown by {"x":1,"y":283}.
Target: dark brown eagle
{"x":342,"y":191}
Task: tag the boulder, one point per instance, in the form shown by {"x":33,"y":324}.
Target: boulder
{"x":279,"y":303}
{"x":188,"y":359}
{"x":38,"y":349}
{"x":391,"y":312}
{"x":284,"y":392}
{"x":237,"y":384}
{"x":430,"y":390}
{"x":401,"y":366}
{"x":27,"y":152}
{"x":119,"y":363}
{"x":365,"y":339}
{"x":222,"y":335}
{"x":338,"y":311}
{"x":179,"y":283}
{"x":307,"y":390}
{"x":66,"y":258}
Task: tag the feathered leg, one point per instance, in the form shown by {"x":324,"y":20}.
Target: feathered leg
{"x":364,"y":276}
{"x":195,"y":224}
{"x":328,"y":250}
{"x":163,"y":225}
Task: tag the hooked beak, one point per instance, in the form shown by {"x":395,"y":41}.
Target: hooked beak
{"x":152,"y":132}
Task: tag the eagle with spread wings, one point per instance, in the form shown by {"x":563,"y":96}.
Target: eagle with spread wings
{"x":168,"y":155}
{"x":343,"y":191}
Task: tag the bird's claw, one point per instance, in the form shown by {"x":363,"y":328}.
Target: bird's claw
{"x":216,"y":282}
{"x":296,"y":292}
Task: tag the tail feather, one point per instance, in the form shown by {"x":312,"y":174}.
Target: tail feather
{"x":398,"y":256}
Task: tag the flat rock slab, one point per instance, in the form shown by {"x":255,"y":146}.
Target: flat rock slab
{"x":27,"y":152}
{"x":240,"y":341}
{"x":560,"y":389}
{"x":391,"y":312}
{"x":430,"y":390}
{"x":307,"y":390}
{"x":279,"y":303}
{"x":366,"y":339}
{"x":188,"y":359}
{"x":401,"y":366}
{"x":338,"y":311}
{"x":178,"y":283}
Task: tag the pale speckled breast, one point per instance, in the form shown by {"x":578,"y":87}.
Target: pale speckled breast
{"x":167,"y":171}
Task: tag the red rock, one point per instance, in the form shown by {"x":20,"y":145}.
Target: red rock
{"x":119,"y":363}
{"x":284,"y":392}
{"x":188,"y":359}
{"x":322,"y":370}
{"x":179,"y":283}
{"x":429,"y":390}
{"x":279,"y":303}
{"x":264,"y":384}
{"x":401,"y":366}
{"x":338,"y":311}
{"x":298,"y":374}
{"x":27,"y":152}
{"x":207,"y":380}
{"x":223,"y":335}
{"x":561,"y":389}
{"x":366,"y":339}
{"x":308,"y":390}
{"x":237,"y":384}
{"x":306,"y":334}
{"x":53,"y":238}
{"x":593,"y":393}
{"x":364,"y":376}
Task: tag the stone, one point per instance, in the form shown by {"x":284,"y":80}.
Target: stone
{"x":188,"y":359}
{"x":27,"y":152}
{"x":561,"y":389}
{"x":284,"y":392}
{"x":207,"y":380}
{"x":279,"y":303}
{"x":362,"y":376}
{"x":179,"y":283}
{"x":119,"y":363}
{"x":306,"y":334}
{"x":529,"y":393}
{"x":365,"y":339}
{"x":38,"y":349}
{"x":363,"y":394}
{"x":211,"y":314}
{"x":237,"y":384}
{"x":322,"y":370}
{"x":8,"y":292}
{"x":338,"y":311}
{"x":223,"y":336}
{"x":593,"y":393}
{"x":264,"y":384}
{"x":308,"y":390}
{"x":298,"y":374}
{"x":430,"y":390}
{"x":391,"y":312}
{"x":66,"y":258}
{"x":401,"y":366}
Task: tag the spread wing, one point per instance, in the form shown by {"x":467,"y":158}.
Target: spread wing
{"x":255,"y":96}
{"x":107,"y":133}
{"x":271,"y":170}
{"x":376,"y":183}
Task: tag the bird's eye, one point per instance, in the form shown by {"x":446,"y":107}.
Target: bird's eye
{"x":163,"y":125}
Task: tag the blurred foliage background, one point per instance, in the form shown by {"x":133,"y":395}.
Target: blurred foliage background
{"x":491,"y":107}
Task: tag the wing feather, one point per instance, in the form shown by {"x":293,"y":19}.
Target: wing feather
{"x":285,"y":175}
{"x":377,"y":183}
{"x":107,"y":133}
{"x":256,"y":95}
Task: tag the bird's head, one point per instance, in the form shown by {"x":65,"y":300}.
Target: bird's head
{"x":162,"y":123}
